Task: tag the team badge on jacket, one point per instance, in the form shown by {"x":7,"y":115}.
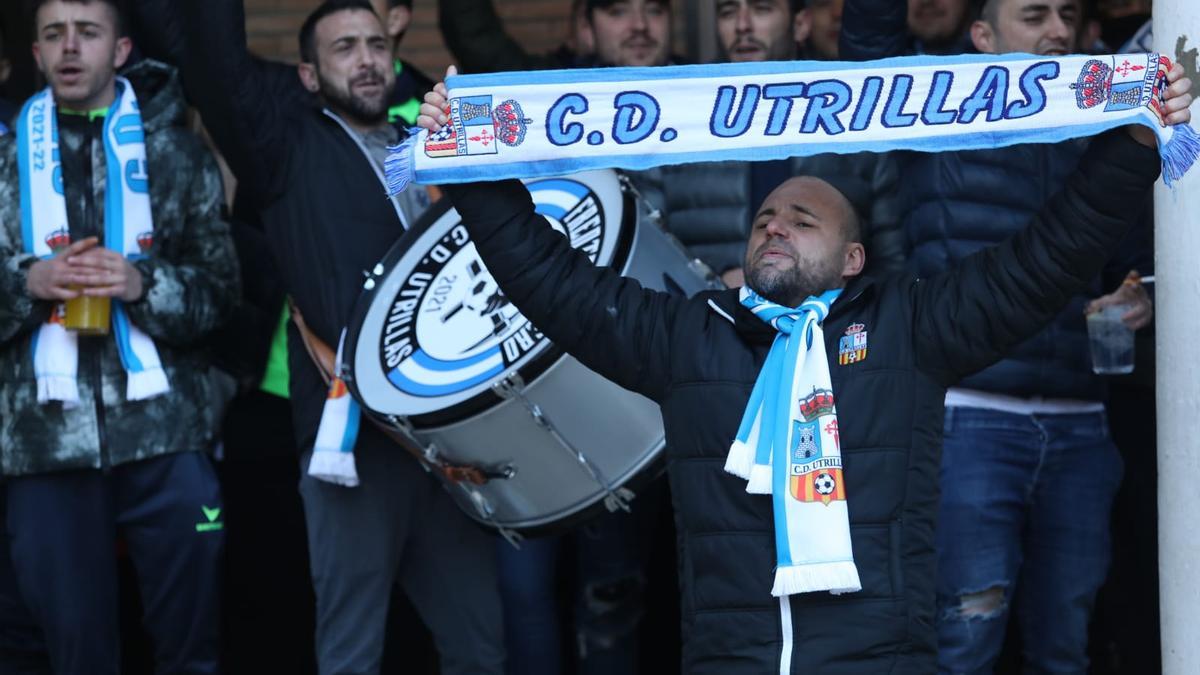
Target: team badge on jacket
{"x":852,"y":347}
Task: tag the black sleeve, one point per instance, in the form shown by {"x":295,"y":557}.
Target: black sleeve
{"x":874,"y":29}
{"x":610,"y":323}
{"x":973,"y":314}
{"x":157,"y":29}
{"x":476,"y":37}
{"x":243,"y":100}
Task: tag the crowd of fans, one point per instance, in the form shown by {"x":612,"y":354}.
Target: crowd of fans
{"x":245,"y":563}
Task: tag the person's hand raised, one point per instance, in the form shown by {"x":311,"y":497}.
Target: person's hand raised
{"x":434,"y":111}
{"x":1174,"y":109}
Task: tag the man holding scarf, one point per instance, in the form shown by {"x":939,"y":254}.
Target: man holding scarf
{"x":105,"y":195}
{"x":850,"y":369}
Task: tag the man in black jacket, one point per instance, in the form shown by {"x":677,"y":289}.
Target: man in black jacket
{"x":315,"y":175}
{"x":1029,"y":470}
{"x":699,"y":359}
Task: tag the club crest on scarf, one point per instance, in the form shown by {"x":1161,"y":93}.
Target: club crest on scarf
{"x":476,"y":127}
{"x":58,"y":240}
{"x":813,"y":476}
{"x":1137,"y":80}
{"x":852,"y":347}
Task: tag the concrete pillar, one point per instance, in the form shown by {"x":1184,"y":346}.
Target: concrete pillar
{"x":1177,"y":268}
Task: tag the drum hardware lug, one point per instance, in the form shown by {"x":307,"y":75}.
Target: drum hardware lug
{"x":627,"y":185}
{"x":429,"y":451}
{"x":484,"y":508}
{"x":512,"y":386}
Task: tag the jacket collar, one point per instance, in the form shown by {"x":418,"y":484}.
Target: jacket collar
{"x":727,"y":304}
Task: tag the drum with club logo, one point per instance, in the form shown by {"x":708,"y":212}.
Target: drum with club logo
{"x":528,"y":438}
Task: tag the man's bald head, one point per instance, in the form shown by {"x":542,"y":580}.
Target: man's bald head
{"x":806,"y":239}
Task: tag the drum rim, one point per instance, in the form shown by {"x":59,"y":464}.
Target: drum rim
{"x":486,"y":399}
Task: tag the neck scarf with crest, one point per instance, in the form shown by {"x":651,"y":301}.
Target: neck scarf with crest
{"x":128,"y":228}
{"x":788,"y":446}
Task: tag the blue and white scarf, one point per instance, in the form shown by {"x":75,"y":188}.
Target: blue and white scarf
{"x":788,"y":446}
{"x":128,"y":227}
{"x":333,"y":452}
{"x":548,"y":123}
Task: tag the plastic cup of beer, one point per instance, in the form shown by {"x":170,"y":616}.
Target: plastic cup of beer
{"x":1111,"y":341}
{"x":88,"y":315}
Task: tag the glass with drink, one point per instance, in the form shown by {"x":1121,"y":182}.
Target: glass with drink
{"x":1111,"y":341}
{"x":88,"y":315}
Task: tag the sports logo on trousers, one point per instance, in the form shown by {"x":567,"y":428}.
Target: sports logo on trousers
{"x":852,"y":347}
{"x":476,"y":127}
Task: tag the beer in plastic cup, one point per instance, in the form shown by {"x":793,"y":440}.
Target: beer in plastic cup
{"x":88,"y":315}
{"x":1111,"y":341}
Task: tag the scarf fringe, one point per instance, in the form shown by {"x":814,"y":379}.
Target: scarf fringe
{"x":398,"y":167}
{"x":146,"y":384}
{"x":1179,"y":153}
{"x":740,"y":460}
{"x":334,"y":467}
{"x":58,"y":388}
{"x":835,"y":577}
{"x":760,"y":480}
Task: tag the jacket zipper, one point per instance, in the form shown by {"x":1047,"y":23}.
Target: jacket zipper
{"x":95,"y":349}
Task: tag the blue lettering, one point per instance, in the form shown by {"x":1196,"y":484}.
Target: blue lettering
{"x":558,"y":133}
{"x":128,"y":129}
{"x":719,"y":124}
{"x":938,"y":91}
{"x":1031,"y":88}
{"x":872,"y":86}
{"x":136,"y":176}
{"x":628,"y":104}
{"x":990,"y":94}
{"x":826,"y":99}
{"x":782,"y":94}
{"x":893,"y":112}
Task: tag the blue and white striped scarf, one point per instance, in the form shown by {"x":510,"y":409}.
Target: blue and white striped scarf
{"x":128,"y":228}
{"x":788,"y":446}
{"x":548,"y":123}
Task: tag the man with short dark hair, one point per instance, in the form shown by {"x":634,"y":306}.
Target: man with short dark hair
{"x":314,"y":172}
{"x":705,"y":358}
{"x":630,"y":32}
{"x":105,"y":430}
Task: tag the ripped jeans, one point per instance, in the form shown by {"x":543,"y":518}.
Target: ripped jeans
{"x":1023,"y":523}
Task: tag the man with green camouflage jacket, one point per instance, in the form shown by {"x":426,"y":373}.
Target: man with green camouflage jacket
{"x":82,"y":468}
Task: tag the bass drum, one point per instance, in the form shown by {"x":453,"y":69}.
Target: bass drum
{"x":438,"y":354}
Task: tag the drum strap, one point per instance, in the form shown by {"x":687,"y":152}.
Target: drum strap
{"x":324,"y":358}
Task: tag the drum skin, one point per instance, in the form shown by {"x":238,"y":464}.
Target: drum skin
{"x":563,"y":438}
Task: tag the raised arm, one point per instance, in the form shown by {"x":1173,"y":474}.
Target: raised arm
{"x":874,"y":29}
{"x":611,"y":324}
{"x":971,"y":316}
{"x":476,"y":37}
{"x":246,"y":102}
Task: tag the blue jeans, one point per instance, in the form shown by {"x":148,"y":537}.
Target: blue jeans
{"x":1023,"y":523}
{"x":612,"y":555}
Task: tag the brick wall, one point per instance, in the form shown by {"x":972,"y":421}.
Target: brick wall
{"x":539,"y":24}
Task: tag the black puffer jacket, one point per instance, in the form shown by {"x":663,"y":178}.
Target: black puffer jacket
{"x":700,"y":366}
{"x":952,"y":204}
